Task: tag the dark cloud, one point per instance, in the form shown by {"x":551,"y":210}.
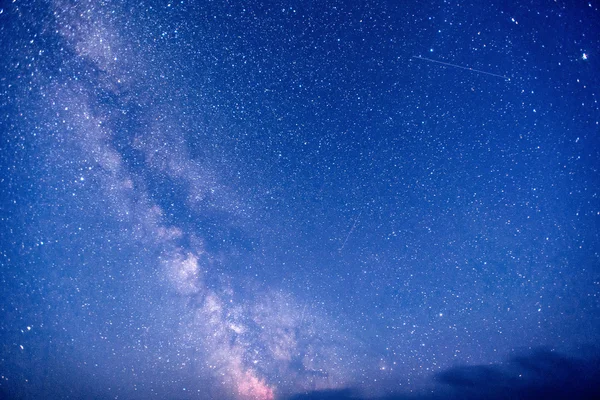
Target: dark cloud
{"x":539,"y":374}
{"x":340,"y":394}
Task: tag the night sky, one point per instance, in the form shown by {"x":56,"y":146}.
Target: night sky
{"x":299,"y":200}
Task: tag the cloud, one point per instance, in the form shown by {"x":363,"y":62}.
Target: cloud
{"x":340,"y":394}
{"x":539,"y":374}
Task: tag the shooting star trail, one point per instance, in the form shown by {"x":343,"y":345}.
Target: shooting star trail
{"x":461,"y":67}
{"x":349,"y":233}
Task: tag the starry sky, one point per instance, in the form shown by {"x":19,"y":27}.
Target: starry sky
{"x":299,"y":200}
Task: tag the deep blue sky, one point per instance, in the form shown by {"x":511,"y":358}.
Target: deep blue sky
{"x":274,"y":200}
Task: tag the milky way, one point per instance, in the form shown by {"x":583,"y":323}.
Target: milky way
{"x":255,"y":202}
